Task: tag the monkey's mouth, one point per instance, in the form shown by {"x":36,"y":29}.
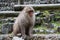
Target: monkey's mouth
{"x":31,"y":14}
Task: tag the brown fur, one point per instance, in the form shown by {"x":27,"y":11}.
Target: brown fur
{"x":24,"y":23}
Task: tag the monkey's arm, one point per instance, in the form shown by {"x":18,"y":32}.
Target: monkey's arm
{"x":23,"y":31}
{"x":31,"y":27}
{"x":31,"y":31}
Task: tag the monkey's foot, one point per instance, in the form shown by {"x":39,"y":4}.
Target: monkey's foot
{"x":24,"y":36}
{"x":28,"y":38}
{"x":31,"y":36}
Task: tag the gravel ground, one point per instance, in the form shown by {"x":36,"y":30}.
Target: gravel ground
{"x":40,"y":36}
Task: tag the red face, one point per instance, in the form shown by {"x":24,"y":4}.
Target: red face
{"x":30,"y":13}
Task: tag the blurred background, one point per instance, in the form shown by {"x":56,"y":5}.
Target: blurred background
{"x":7,"y":5}
{"x":47,"y":18}
{"x":47,"y":14}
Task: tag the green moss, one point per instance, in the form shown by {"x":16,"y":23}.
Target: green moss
{"x":56,"y":24}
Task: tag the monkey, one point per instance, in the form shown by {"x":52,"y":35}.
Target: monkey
{"x":24,"y":23}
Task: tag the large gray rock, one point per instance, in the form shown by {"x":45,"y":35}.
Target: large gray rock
{"x":6,"y":28}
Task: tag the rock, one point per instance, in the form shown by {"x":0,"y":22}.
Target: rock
{"x":50,"y":31}
{"x":45,"y":24}
{"x":38,"y":21}
{"x":11,"y":20}
{"x":46,"y":19}
{"x":52,"y":17}
{"x":35,"y":37}
{"x":58,"y":29}
{"x":4,"y":38}
{"x":50,"y":25}
{"x":41,"y":31}
{"x":36,"y":31}
{"x":6,"y":28}
{"x":58,"y":37}
{"x":38,"y":14}
{"x":4,"y":20}
{"x":17,"y":38}
{"x":57,"y":19}
{"x":1,"y":38}
{"x":54,"y":38}
{"x":47,"y":31}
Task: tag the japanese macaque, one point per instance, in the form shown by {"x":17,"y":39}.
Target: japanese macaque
{"x":24,"y":23}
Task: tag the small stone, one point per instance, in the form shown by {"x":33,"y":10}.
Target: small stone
{"x":38,"y":21}
{"x":17,"y":38}
{"x":50,"y":31}
{"x":42,"y":31}
{"x":35,"y":31}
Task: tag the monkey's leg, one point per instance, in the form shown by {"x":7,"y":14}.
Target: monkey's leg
{"x":15,"y":30}
{"x":23,"y":32}
{"x":30,"y":31}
